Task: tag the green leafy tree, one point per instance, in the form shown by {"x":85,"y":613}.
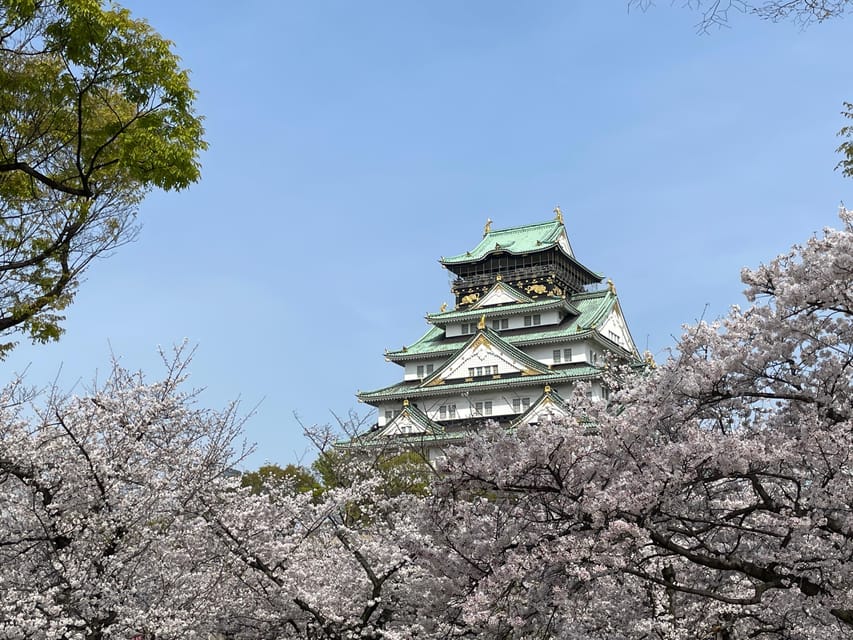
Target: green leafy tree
{"x":846,"y":147}
{"x":271,"y":475}
{"x":95,"y":110}
{"x":399,"y":472}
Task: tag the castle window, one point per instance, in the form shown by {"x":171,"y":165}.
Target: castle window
{"x":534,"y":320}
{"x":567,"y":355}
{"x":557,"y":354}
{"x":429,"y":369}
{"x":420,"y":371}
{"x":446,"y":411}
{"x":483,"y":408}
{"x":520,"y":404}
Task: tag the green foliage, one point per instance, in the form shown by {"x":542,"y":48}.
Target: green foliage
{"x":405,"y":472}
{"x":846,"y":147}
{"x":331,"y":467}
{"x":299,"y":479}
{"x":400,"y":472}
{"x":95,"y":111}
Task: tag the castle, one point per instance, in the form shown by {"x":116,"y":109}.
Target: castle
{"x":529,"y":322}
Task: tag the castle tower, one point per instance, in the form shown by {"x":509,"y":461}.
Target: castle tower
{"x":530,"y":321}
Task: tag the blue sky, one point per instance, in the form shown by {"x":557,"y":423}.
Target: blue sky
{"x":354,"y":143}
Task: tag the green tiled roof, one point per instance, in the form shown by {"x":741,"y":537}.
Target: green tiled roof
{"x":592,"y":308}
{"x":403,"y":390}
{"x":503,"y":310}
{"x":556,"y":398}
{"x":419,"y":418}
{"x":525,"y":239}
{"x":433,"y":335}
{"x":373,"y":440}
{"x":498,"y":342}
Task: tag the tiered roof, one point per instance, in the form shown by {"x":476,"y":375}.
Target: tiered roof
{"x":412,"y":389}
{"x":426,"y":431}
{"x":588,"y":309}
{"x":523,"y":240}
{"x":529,"y":238}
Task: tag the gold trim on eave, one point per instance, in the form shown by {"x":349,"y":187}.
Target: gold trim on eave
{"x":481,"y":341}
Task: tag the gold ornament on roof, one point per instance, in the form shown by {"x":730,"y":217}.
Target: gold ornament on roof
{"x":547,"y":388}
{"x":498,"y":278}
{"x":558,"y":213}
{"x":611,"y":287}
{"x":650,"y":360}
{"x":406,"y":402}
{"x":488,"y":228}
{"x":482,"y":323}
{"x":443,"y":307}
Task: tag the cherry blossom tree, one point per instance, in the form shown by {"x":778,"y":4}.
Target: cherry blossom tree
{"x":712,"y":498}
{"x":100,"y":527}
{"x":329,"y":564}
